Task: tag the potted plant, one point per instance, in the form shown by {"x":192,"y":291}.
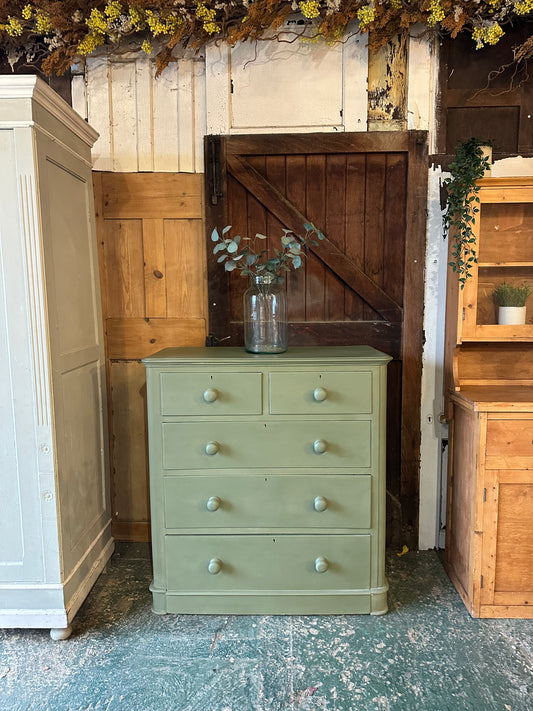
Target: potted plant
{"x":511,"y":301}
{"x":265,"y":308}
{"x":462,"y":199}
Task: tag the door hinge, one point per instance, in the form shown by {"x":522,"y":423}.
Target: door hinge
{"x":214,"y":170}
{"x":464,"y":314}
{"x":484,"y":495}
{"x":480,"y":581}
{"x":211,"y":340}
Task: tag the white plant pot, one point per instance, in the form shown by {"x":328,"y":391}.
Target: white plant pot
{"x":511,"y":315}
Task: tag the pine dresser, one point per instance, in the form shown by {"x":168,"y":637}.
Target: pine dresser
{"x":267,"y":480}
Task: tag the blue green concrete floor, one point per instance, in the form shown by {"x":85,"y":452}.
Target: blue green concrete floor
{"x":427,"y":654}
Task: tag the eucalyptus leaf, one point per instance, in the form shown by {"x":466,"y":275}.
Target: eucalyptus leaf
{"x":214,"y":235}
{"x":260,"y":236}
{"x":230,"y":265}
{"x":226,"y":229}
{"x":232,"y":247}
{"x":222,"y":258}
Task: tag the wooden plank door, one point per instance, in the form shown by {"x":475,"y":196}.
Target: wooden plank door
{"x":362,"y":284}
{"x":152,"y":271}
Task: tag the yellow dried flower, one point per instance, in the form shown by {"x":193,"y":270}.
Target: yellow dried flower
{"x":147,"y":47}
{"x":436,"y":13}
{"x":396,"y":4}
{"x":162,"y":26}
{"x":27,"y":12}
{"x":523,"y":8}
{"x":14,"y":28}
{"x":204,"y":13}
{"x":137,"y":19}
{"x":309,"y":8}
{"x":90,"y":42}
{"x":43,"y":24}
{"x":494,"y":33}
{"x":96,"y":21}
{"x":489,"y":34}
{"x":366,"y":15}
{"x":211,"y":27}
{"x":113,"y":10}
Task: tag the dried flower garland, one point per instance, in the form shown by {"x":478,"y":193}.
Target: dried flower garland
{"x":69,"y":30}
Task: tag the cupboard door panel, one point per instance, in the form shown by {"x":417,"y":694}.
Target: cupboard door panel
{"x":508,"y":538}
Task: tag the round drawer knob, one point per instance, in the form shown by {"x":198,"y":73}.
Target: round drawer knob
{"x":320,"y":503}
{"x":321,"y":564}
{"x":212,"y":448}
{"x":210,"y":395}
{"x":320,"y":394}
{"x":320,"y":446}
{"x":213,"y":503}
{"x":215,"y":566}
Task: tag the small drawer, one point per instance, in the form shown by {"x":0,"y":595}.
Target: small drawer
{"x":267,"y":562}
{"x":510,"y":438}
{"x":244,"y":445}
{"x":321,"y":393}
{"x":211,"y":393}
{"x":268,"y":501}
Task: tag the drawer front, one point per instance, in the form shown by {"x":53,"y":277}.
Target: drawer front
{"x":510,"y":438}
{"x":269,"y":563}
{"x":310,"y":444}
{"x":270,"y":501}
{"x":320,"y":393}
{"x":211,"y":393}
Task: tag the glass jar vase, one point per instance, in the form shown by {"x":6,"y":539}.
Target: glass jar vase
{"x":265,"y":315}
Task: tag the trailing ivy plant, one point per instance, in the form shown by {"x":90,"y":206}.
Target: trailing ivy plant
{"x":462,"y":203}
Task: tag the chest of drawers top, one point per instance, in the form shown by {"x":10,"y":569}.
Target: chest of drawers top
{"x":301,"y":354}
{"x":219,"y":382}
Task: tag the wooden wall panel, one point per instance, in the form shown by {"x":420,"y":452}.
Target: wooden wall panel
{"x":152,"y":269}
{"x":145,"y":124}
{"x":129,"y":460}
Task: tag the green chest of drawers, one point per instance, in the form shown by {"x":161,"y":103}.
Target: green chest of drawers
{"x":267,"y":480}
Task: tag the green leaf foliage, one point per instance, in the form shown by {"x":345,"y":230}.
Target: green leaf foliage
{"x":462,"y":199}
{"x":250,"y":260}
{"x":512,"y":294}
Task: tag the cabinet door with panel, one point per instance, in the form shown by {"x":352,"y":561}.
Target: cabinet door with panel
{"x":507,"y":567}
{"x":489,"y":532}
{"x":504,"y":248}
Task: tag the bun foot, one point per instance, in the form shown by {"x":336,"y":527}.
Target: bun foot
{"x":59,"y":633}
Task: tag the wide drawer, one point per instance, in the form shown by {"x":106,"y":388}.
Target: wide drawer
{"x":268,"y":501}
{"x":211,"y":393}
{"x":321,"y":393}
{"x":266,"y":562}
{"x":218,"y":445}
{"x":510,"y":438}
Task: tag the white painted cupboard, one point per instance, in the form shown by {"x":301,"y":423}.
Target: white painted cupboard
{"x":55,"y":523}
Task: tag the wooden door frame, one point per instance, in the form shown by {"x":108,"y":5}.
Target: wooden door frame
{"x":221,"y":149}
